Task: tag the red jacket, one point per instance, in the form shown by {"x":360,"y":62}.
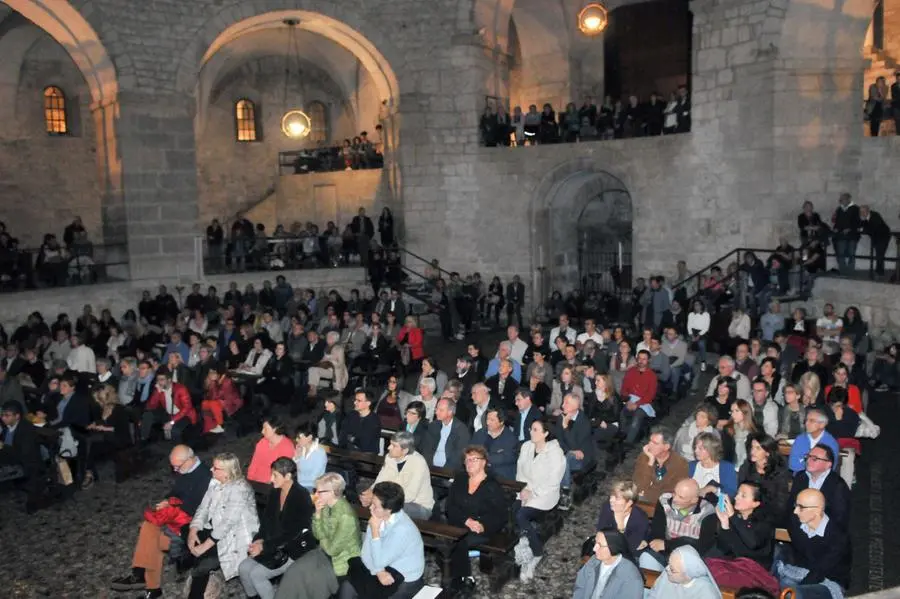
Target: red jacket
{"x":642,"y":384}
{"x":226,"y":392}
{"x":181,"y":398}
{"x":414,"y":338}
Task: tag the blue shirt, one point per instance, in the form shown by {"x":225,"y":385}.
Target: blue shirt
{"x":770,"y":324}
{"x":522,"y":434}
{"x":440,"y":454}
{"x":311,"y":467}
{"x":494,"y":368}
{"x":399,"y":546}
{"x":61,"y":408}
{"x":179,"y":348}
{"x":803,"y":444}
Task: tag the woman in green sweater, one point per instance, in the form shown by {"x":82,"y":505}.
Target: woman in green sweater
{"x":336,"y":528}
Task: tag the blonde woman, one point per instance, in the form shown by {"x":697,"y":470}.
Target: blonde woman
{"x":108,"y":434}
{"x":811,"y":386}
{"x":332,"y":367}
{"x":223,"y":526}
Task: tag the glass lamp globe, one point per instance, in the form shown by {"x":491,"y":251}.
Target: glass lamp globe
{"x":295,"y":124}
{"x":593,"y":19}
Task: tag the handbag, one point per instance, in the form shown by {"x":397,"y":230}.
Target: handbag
{"x":279,"y":557}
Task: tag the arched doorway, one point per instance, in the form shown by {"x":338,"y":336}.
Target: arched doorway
{"x":582,"y":231}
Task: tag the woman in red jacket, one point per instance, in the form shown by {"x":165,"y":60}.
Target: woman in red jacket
{"x":411,"y":335}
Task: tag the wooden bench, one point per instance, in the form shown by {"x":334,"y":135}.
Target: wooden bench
{"x":781,"y":534}
{"x":494,"y":559}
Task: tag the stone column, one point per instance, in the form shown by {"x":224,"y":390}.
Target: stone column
{"x":112,"y":206}
{"x":159,"y":182}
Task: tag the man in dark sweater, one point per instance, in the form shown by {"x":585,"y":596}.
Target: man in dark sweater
{"x":361,"y":430}
{"x":818,"y":474}
{"x":820,"y":564}
{"x":872,"y":224}
{"x":192,"y":481}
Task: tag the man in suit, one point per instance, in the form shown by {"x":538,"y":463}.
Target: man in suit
{"x":515,"y":297}
{"x":395,"y":304}
{"x":818,"y":474}
{"x":574,"y":434}
{"x":364,"y":230}
{"x":376,"y":349}
{"x":447,"y":437}
{"x":683,"y":110}
{"x":525,"y":415}
{"x":19,"y":446}
{"x":482,"y":402}
{"x":503,"y":386}
{"x":872,"y":224}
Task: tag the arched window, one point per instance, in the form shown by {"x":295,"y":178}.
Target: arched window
{"x":318,"y":116}
{"x":245,"y":119}
{"x":55,"y":111}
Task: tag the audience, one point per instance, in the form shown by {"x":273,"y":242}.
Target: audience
{"x":817,"y":474}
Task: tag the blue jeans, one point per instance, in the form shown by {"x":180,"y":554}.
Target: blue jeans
{"x":573,"y":464}
{"x":804,"y":591}
{"x":630,"y":422}
{"x":525,"y":520}
{"x":676,"y":374}
{"x":845,"y":252}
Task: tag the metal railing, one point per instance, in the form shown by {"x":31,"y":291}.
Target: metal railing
{"x":80,"y":264}
{"x":290,"y":252}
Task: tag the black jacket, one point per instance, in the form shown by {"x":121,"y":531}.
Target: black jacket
{"x":25,"y":449}
{"x":846,"y":222}
{"x":284,"y":525}
{"x":875,"y":227}
{"x":753,"y":538}
{"x":77,"y":413}
{"x":507,"y":399}
{"x":488,"y":505}
{"x":516,"y":423}
{"x":577,"y":436}
{"x":775,"y":490}
{"x":456,"y":443}
{"x":602,"y":411}
{"x":837,"y":497}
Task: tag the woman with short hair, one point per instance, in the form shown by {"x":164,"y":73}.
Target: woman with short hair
{"x":309,"y":456}
{"x":223,"y":526}
{"x":619,"y":514}
{"x":273,"y":445}
{"x":710,"y":471}
{"x":392,"y":561}
{"x":284,"y":534}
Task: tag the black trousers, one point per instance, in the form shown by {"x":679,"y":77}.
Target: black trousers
{"x":879,"y":247}
{"x":514,"y":309}
{"x":363,"y":584}
{"x":206,"y":565}
{"x":460,"y":565}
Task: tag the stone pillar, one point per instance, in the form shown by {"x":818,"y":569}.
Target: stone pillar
{"x":112,"y":207}
{"x":159,"y":181}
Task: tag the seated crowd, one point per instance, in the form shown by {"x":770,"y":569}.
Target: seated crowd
{"x":539,"y":415}
{"x":53,"y":264}
{"x":358,"y":153}
{"x":625,"y":117}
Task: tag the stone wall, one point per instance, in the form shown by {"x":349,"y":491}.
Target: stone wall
{"x":323,"y":197}
{"x":119,"y":297}
{"x":231,"y":173}
{"x":46,"y":180}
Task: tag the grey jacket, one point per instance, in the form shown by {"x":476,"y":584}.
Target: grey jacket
{"x":625,"y":582}
{"x":230,"y":511}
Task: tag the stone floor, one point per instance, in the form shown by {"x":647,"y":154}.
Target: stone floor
{"x":72,"y":550}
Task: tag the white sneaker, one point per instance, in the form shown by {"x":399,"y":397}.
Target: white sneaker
{"x":217,"y":430}
{"x":527,"y":572}
{"x":703,"y":367}
{"x":522,"y":552}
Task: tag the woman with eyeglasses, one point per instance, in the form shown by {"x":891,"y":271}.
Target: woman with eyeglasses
{"x":611,"y":572}
{"x":416,"y":423}
{"x":223,"y":526}
{"x":686,"y":577}
{"x":476,"y":502}
{"x":318,"y":574}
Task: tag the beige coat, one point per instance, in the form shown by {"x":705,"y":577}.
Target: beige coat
{"x":415,"y":478}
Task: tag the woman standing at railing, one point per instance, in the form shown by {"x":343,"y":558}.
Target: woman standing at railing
{"x":386,"y":227}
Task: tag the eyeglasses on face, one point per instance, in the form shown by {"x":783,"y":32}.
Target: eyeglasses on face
{"x":800,"y":506}
{"x":815,"y":458}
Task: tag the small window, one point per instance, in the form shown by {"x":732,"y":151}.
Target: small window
{"x":245,"y":116}
{"x":55,"y":111}
{"x":318,"y":117}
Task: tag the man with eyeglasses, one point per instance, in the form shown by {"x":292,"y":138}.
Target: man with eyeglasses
{"x":816,"y":421}
{"x":819,"y":565}
{"x":818,"y":475}
{"x":156,"y":537}
{"x":362,"y":429}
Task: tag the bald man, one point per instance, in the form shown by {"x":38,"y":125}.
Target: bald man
{"x":681,"y":518}
{"x":820,"y":564}
{"x":154,"y":540}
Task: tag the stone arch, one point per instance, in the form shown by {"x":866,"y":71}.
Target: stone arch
{"x":68,"y":27}
{"x":564,"y":196}
{"x":318,"y":16}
